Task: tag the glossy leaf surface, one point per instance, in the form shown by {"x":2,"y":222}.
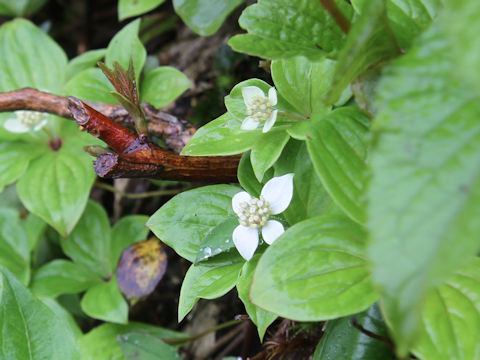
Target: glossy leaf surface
{"x":206,"y":282}
{"x":162,"y":85}
{"x":425,"y":162}
{"x":129,"y":8}
{"x":28,"y":328}
{"x":146,"y":347}
{"x":337,"y":147}
{"x":14,"y":160}
{"x":272,"y":34}
{"x":316,"y":270}
{"x":204,"y":16}
{"x":184,"y":221}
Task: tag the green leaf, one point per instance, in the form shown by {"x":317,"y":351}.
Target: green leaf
{"x":218,"y":239}
{"x":14,"y":250}
{"x":101,"y":342}
{"x":450,"y":321}
{"x":128,"y":230}
{"x":29,"y":58}
{"x":218,"y":137}
{"x":35,"y":229}
{"x":337,"y":146}
{"x":261,"y":318}
{"x":62,"y":277}
{"x":206,"y":282}
{"x":273,"y":35}
{"x":56,"y":186}
{"x":204,"y":16}
{"x":407,"y":18}
{"x":83,"y":62}
{"x":309,"y":196}
{"x":425,"y":186}
{"x":20,"y":7}
{"x":14,"y":160}
{"x":267,"y":150}
{"x":461,"y":22}
{"x":184,"y":221}
{"x":63,"y":315}
{"x":146,"y":347}
{"x":28,"y":328}
{"x":125,"y":45}
{"x":246,"y":176}
{"x":369,"y":42}
{"x":89,"y":243}
{"x":105,"y":302}
{"x":130,"y":8}
{"x":163,"y":85}
{"x":342,"y":340}
{"x":90,"y":84}
{"x":316,"y":270}
{"x":302,"y":82}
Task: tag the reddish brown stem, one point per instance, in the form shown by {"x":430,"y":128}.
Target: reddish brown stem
{"x":135,"y":158}
{"x":175,"y":132}
{"x":332,"y":8}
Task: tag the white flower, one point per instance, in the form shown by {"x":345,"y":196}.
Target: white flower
{"x":25,"y":121}
{"x":253,"y":214}
{"x":259,"y":108}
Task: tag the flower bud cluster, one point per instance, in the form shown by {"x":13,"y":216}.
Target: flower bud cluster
{"x":29,"y":118}
{"x":260,"y":109}
{"x":254,"y":213}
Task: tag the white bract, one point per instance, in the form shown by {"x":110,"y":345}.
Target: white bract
{"x":253,"y":214}
{"x":259,"y":108}
{"x":25,"y":121}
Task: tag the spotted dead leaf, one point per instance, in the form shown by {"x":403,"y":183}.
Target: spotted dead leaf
{"x":141,"y":267}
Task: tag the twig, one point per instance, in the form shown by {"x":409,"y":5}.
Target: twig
{"x":182,"y":340}
{"x":381,"y":338}
{"x":174,"y":131}
{"x":342,"y":22}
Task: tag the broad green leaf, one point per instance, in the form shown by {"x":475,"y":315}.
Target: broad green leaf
{"x":219,"y":137}
{"x":218,"y":239}
{"x":146,"y":347}
{"x":30,"y":58}
{"x":128,"y":230}
{"x":302,"y":82}
{"x":20,"y":7}
{"x":184,"y":221}
{"x":450,"y":321}
{"x":83,"y":62}
{"x":267,"y":150}
{"x":337,"y":146}
{"x":14,"y":250}
{"x":62,"y":277}
{"x":461,"y":21}
{"x":162,"y":85}
{"x":425,"y":186}
{"x":261,"y":318}
{"x":28,"y":328}
{"x":341,"y":340}
{"x":105,"y":302}
{"x":90,"y":84}
{"x":129,"y":8}
{"x":56,"y":186}
{"x":89,"y":243}
{"x":125,"y":45}
{"x":309,"y":196}
{"x":246,"y":176}
{"x":284,"y":28}
{"x":14,"y":160}
{"x":316,"y":270}
{"x":34,"y":228}
{"x":369,"y":42}
{"x":407,"y":18}
{"x":64,"y":315}
{"x":204,"y":16}
{"x":206,"y":282}
{"x":101,"y":342}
